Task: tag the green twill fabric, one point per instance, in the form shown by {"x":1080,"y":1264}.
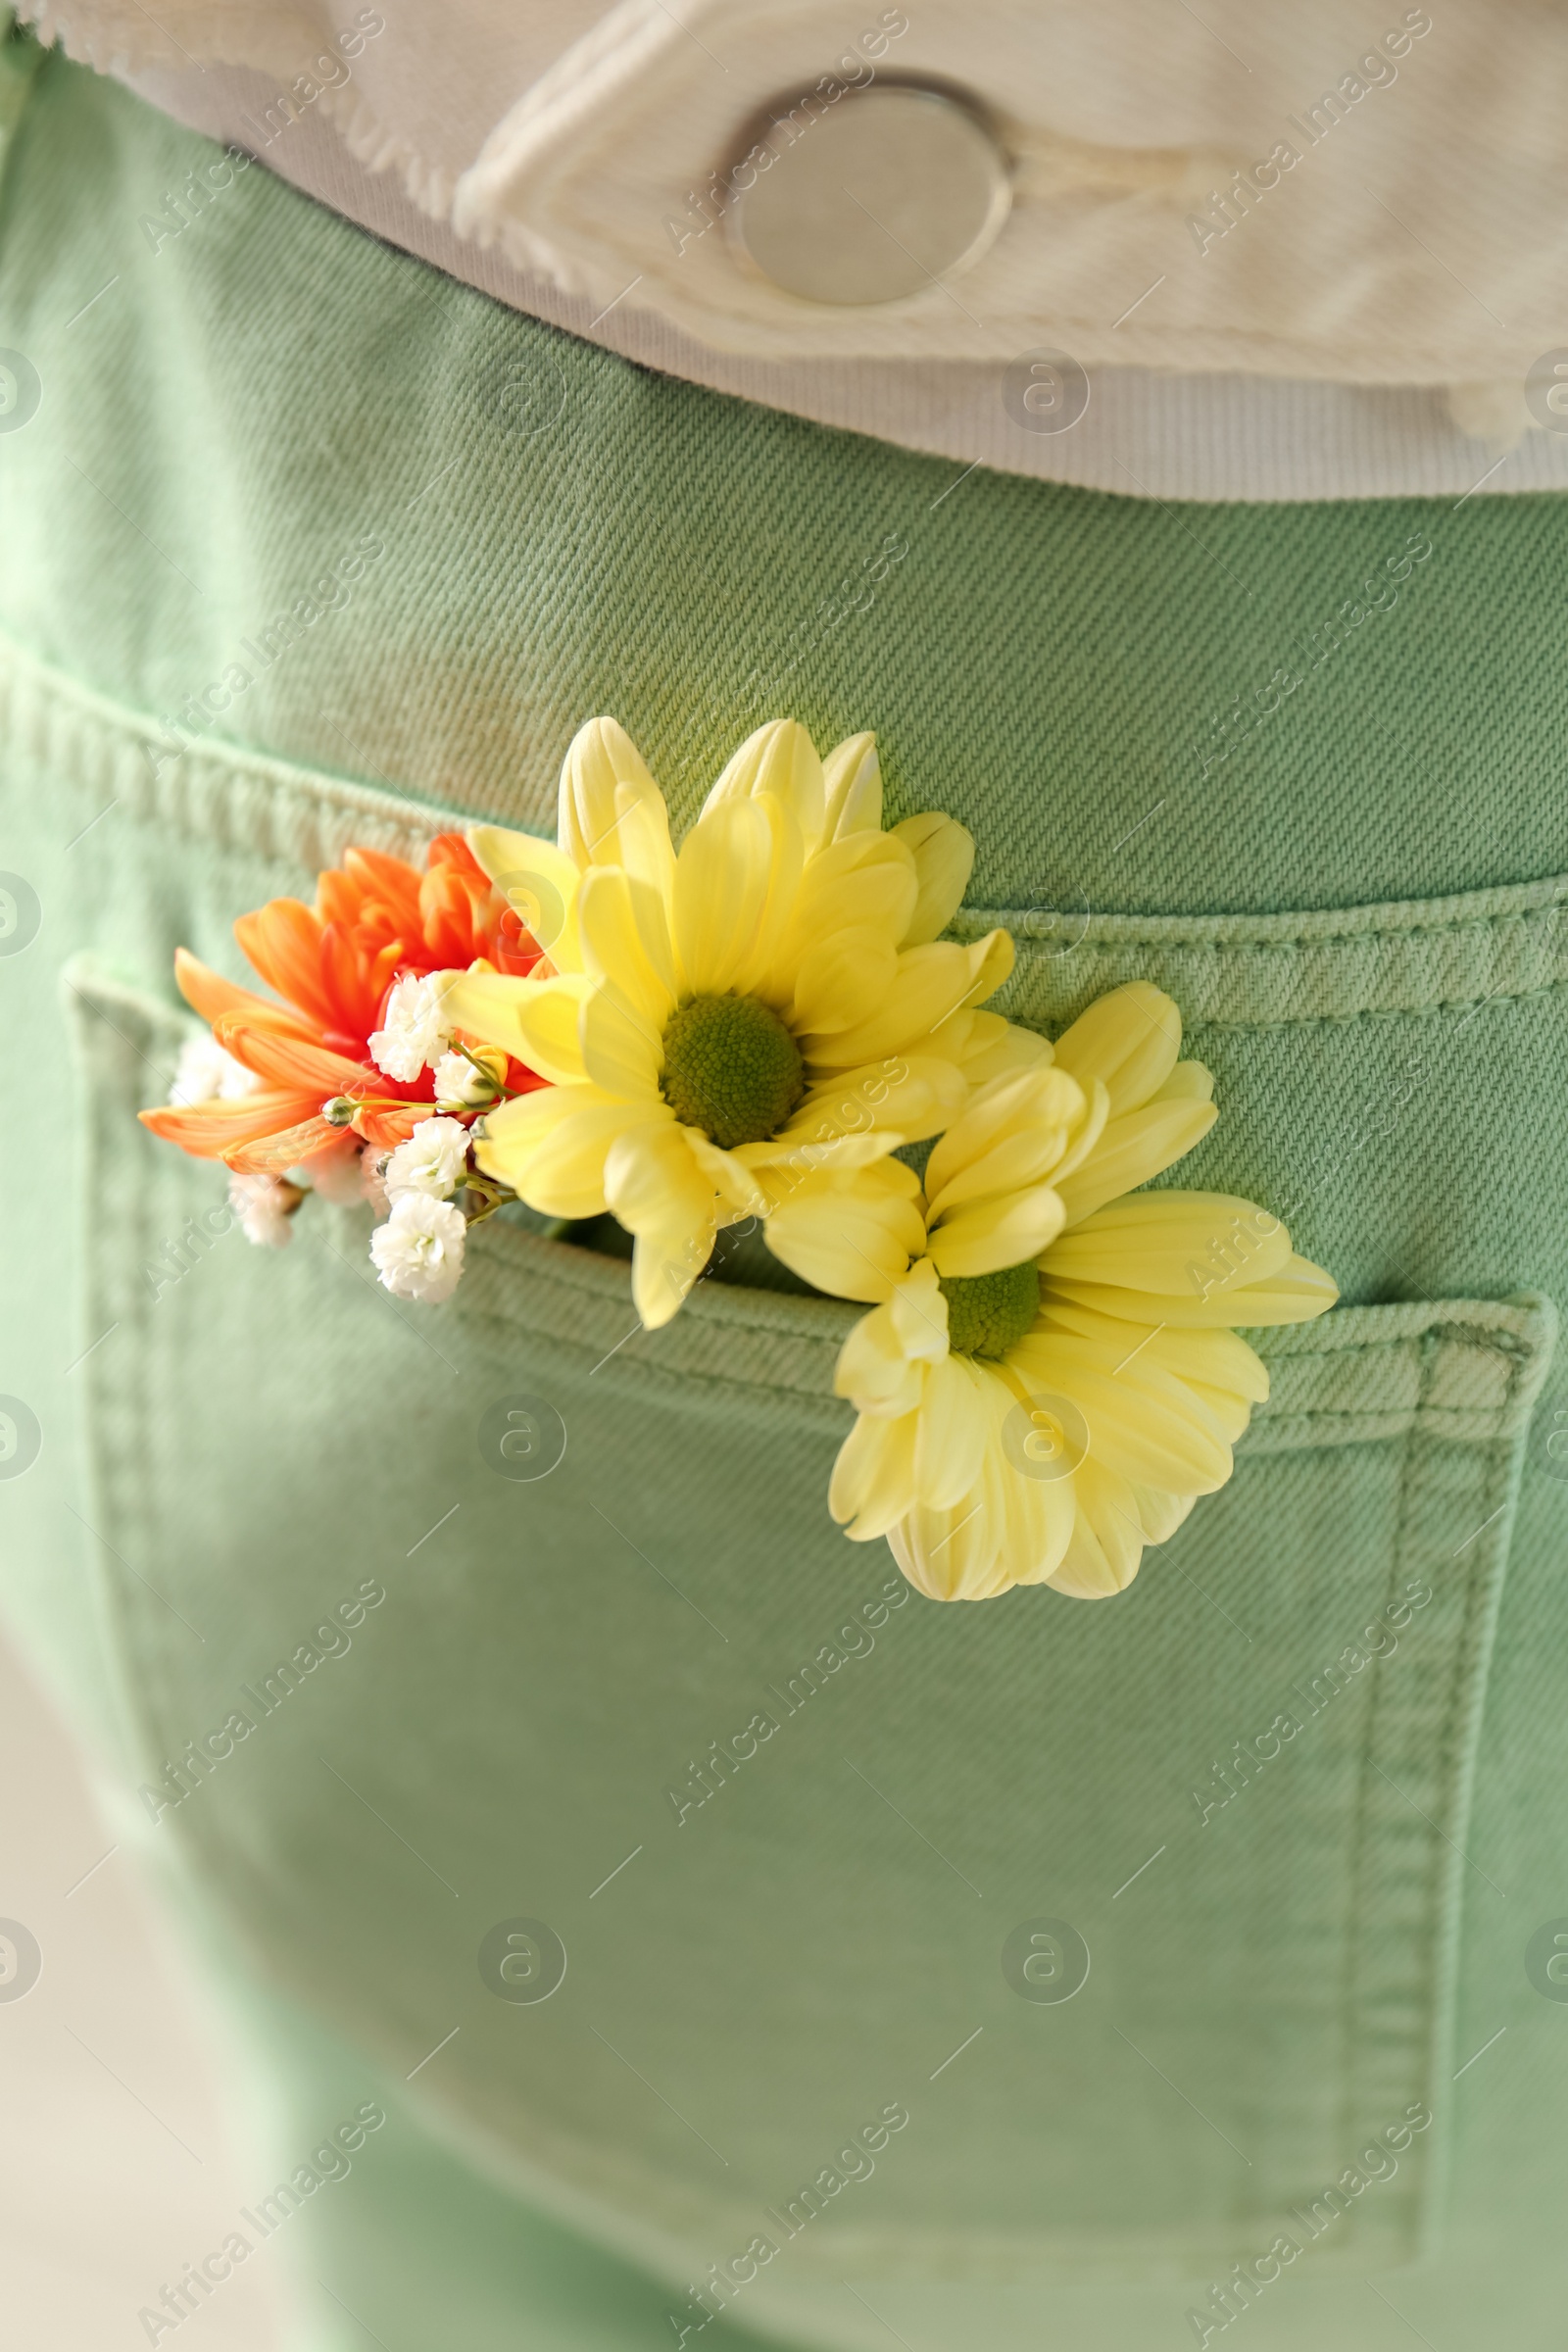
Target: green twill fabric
{"x":1116,"y":1976}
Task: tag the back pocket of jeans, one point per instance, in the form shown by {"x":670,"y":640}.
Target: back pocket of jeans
{"x":1143,"y":1915}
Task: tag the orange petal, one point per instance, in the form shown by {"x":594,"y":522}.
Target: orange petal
{"x":387,"y":1128}
{"x":451,"y":849}
{"x":212,"y":1130}
{"x":337,"y":898}
{"x":276,"y":1154}
{"x":448,"y":913}
{"x":513,"y":949}
{"x":348,"y":983}
{"x":382,"y":971}
{"x":284,"y":940}
{"x":206,"y":993}
{"x":289,"y":1060}
{"x":391,"y":879}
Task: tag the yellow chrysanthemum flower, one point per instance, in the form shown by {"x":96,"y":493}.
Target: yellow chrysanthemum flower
{"x":1050,"y":1375}
{"x":717,"y":1023}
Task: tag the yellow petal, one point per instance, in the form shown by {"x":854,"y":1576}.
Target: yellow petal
{"x":1216,"y":1358}
{"x":1300,"y":1290}
{"x":1177,"y":1244}
{"x":1135,"y":1148}
{"x":1231,"y":1412}
{"x":852,"y":786}
{"x":932,"y":982}
{"x":779,"y":758}
{"x":1041,"y":1514}
{"x":1085,"y":1134}
{"x":611,"y":812}
{"x":951,"y":1555}
{"x":919,"y":1313}
{"x":550,"y":1147}
{"x":865,"y":882}
{"x":777,"y":1166}
{"x":538,"y":884}
{"x":1013,"y":1165}
{"x":951,"y":1439}
{"x":735,"y":883}
{"x":666,"y":1262}
{"x":989,"y":1234}
{"x":1011,"y":1133}
{"x":873,"y":1370}
{"x":621,"y":1049}
{"x":1159,"y":1514}
{"x":873,"y":1479}
{"x":1143,"y":1424}
{"x":624,"y":932}
{"x":518,"y":1130}
{"x":1189,"y":1081}
{"x":655,"y":1186}
{"x":840,"y":981}
{"x":992,"y":959}
{"x":943,"y":859}
{"x":653,"y":1180}
{"x":1107,"y":1541}
{"x":909,"y":1095}
{"x":1211,"y":1378}
{"x":737,"y":1186}
{"x":1129,"y":1038}
{"x":536,"y":1020}
{"x":987,"y":1047}
{"x":1149,"y":1307}
{"x":852,"y":1233}
{"x":985,"y":1540}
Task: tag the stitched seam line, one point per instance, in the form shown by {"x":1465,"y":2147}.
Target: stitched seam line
{"x":1462,"y":1720}
{"x":561,"y":1279}
{"x":1430,"y":1008}
{"x":1355,"y":2027}
{"x":1237,"y":942}
{"x":707,"y":1383}
{"x":70,"y":728}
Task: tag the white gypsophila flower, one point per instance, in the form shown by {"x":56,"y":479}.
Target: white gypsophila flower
{"x":414,"y":1032}
{"x":336,"y":1175}
{"x":263,"y":1204}
{"x":433,"y":1160}
{"x":419,"y":1251}
{"x":206,"y":1073}
{"x":457,"y":1079}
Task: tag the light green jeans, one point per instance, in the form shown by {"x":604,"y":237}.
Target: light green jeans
{"x":735,"y":1942}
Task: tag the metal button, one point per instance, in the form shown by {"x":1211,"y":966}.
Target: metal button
{"x":870,"y":196}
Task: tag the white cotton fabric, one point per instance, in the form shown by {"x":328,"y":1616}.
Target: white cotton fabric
{"x":1363,"y":325}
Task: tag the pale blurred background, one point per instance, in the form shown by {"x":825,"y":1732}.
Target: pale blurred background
{"x":115,"y":2162}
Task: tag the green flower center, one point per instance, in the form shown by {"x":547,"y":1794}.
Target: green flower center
{"x":988,"y":1313}
{"x":731,"y":1068}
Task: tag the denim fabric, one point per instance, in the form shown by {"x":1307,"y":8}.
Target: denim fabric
{"x":1296,"y":1794}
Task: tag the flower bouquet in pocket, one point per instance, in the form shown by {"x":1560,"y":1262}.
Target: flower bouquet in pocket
{"x":766,"y":1023}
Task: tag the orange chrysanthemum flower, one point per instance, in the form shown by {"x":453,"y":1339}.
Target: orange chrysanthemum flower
{"x":377,"y":920}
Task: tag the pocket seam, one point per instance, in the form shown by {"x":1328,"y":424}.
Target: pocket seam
{"x":511,"y":1267}
{"x":1452,"y":1761}
{"x":1500,"y":941}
